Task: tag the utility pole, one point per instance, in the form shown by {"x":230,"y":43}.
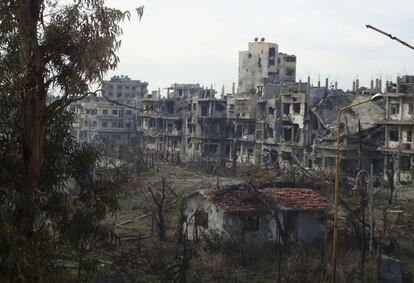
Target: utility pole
{"x":390,"y":36}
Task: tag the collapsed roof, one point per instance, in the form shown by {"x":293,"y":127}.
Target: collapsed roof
{"x":240,"y":199}
{"x":328,"y":108}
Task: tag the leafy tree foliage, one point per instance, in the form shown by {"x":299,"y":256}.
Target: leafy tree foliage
{"x":53,"y":195}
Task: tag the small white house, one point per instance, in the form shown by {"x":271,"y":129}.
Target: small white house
{"x":272,"y":214}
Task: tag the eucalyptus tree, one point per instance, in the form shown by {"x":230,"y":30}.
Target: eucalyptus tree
{"x":51,"y":199}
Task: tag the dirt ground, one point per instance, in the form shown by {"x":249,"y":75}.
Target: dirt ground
{"x":135,"y":222}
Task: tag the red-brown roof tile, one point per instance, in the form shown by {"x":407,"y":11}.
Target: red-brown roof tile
{"x":300,"y":199}
{"x":243,"y":200}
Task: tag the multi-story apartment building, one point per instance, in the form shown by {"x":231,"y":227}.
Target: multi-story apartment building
{"x":168,"y":125}
{"x":99,"y":121}
{"x":124,"y":90}
{"x":262,"y":63}
{"x":110,"y":118}
{"x":399,"y":126}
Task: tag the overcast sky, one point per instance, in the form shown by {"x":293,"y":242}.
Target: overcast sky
{"x":197,"y":41}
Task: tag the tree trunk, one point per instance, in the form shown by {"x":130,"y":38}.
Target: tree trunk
{"x":34,"y":107}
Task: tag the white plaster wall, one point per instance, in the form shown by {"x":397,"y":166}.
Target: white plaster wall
{"x":215,"y":216}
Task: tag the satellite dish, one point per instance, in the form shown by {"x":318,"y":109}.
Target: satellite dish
{"x":256,"y":39}
{"x":263,"y":39}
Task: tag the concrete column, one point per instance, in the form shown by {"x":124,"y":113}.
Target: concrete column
{"x":387,"y":108}
{"x":398,"y":85}
{"x":387,"y":136}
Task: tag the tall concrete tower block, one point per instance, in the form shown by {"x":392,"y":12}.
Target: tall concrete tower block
{"x":262,"y":63}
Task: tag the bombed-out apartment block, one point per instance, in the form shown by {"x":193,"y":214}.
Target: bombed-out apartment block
{"x":361,"y":137}
{"x":270,"y":122}
{"x":166,"y":125}
{"x":109,"y":119}
{"x":399,"y":126}
{"x":262,"y":63}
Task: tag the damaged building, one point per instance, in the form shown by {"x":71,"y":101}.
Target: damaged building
{"x":269,"y":215}
{"x":361,"y":135}
{"x":399,"y":125}
{"x":272,"y":121}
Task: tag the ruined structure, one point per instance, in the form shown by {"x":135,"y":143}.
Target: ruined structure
{"x":262,"y":63}
{"x":272,"y":121}
{"x":110,"y":118}
{"x":271,"y":214}
{"x":399,"y":125}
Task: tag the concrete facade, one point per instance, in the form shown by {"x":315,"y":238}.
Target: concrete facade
{"x":399,"y":126}
{"x":259,"y":222}
{"x":262,"y":63}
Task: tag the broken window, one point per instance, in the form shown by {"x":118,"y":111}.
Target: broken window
{"x":250,"y":130}
{"x":212,"y":148}
{"x":250,"y":223}
{"x":287,"y":134}
{"x":270,"y":132}
{"x":272,"y":52}
{"x":409,"y":136}
{"x":260,"y":62}
{"x":410,"y":108}
{"x":287,"y":156}
{"x":296,"y":132}
{"x":290,"y":72}
{"x":220,"y":107}
{"x":201,"y":219}
{"x":394,"y":135}
{"x":286,"y":108}
{"x":395,"y":108}
{"x":329,"y":161}
{"x":170,"y":106}
{"x":296,"y":108}
{"x":378,"y":166}
{"x":290,"y":59}
{"x":204,"y":111}
{"x":405,"y":163}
